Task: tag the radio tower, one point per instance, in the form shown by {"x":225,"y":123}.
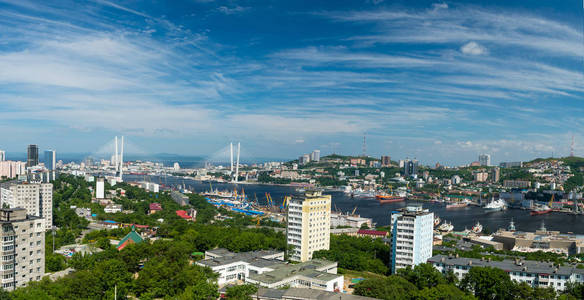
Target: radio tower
{"x":572,"y":147}
{"x":364,"y":145}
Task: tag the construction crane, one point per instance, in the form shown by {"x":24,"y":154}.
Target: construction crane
{"x":552,"y":200}
{"x":286,"y":202}
{"x":354,"y":209}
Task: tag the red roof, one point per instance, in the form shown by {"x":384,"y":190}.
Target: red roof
{"x":155,"y":206}
{"x":183,"y":214}
{"x":372,"y":232}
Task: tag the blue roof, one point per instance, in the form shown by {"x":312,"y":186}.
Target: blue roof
{"x":110,"y":221}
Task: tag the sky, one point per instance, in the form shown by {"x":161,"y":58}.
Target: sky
{"x":437,"y":81}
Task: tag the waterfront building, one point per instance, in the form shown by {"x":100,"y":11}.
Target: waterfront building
{"x":12,"y":169}
{"x":100,"y":188}
{"x":309,"y":219}
{"x":36,"y":198}
{"x":32,"y":157}
{"x":485,"y":160}
{"x":456,"y":179}
{"x":23,"y":248}
{"x":534,"y":273}
{"x":267,"y":268}
{"x":50,"y":160}
{"x":176,"y":166}
{"x":2,"y":155}
{"x":385,"y":161}
{"x":412,"y":237}
{"x":356,"y":221}
{"x":540,"y":240}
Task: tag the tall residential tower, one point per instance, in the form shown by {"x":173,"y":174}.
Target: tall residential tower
{"x":411,"y":237}
{"x":309,"y":221}
{"x":32,"y":156}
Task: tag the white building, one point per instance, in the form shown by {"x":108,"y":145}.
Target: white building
{"x":36,"y":198}
{"x":309,"y":221}
{"x":176,"y":166}
{"x":23,"y":248}
{"x":2,"y":155}
{"x":534,"y":273}
{"x":268,"y":269}
{"x":113,"y":208}
{"x":412,"y":237}
{"x":99,"y":188}
{"x":315,"y":156}
{"x":485,"y":159}
{"x":456,"y":179}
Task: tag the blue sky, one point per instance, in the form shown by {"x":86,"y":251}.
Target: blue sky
{"x":439,"y":81}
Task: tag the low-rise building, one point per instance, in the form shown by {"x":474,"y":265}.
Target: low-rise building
{"x":534,"y":273}
{"x":297,"y":294}
{"x":338,"y":219}
{"x":113,"y":208}
{"x":516,"y":183}
{"x":154,"y":207}
{"x":268,"y":269}
{"x":371,"y":233}
{"x":179,"y":198}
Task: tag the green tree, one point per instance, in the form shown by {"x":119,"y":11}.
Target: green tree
{"x":423,"y":276}
{"x":55,"y":262}
{"x":488,"y":283}
{"x":241,"y":292}
{"x":443,"y":292}
{"x":390,"y":288}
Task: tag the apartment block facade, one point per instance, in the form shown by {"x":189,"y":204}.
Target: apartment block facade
{"x":412,"y":237}
{"x":23,"y":248}
{"x":36,"y":198}
{"x":309,"y":220}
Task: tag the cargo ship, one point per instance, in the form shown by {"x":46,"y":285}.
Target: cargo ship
{"x":460,"y":204}
{"x":389,"y":198}
{"x":540,"y":210}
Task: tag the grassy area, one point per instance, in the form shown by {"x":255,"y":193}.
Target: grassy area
{"x":359,"y":274}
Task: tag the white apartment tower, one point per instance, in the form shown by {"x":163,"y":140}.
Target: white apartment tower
{"x":99,"y":188}
{"x":309,"y":221}
{"x":412,"y":236}
{"x":2,"y":155}
{"x":36,"y":198}
{"x":23,"y":248}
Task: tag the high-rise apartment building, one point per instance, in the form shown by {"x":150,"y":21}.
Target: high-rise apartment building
{"x":495,"y":174}
{"x":23,"y":248}
{"x":309,"y":220}
{"x":50,"y":159}
{"x":385,"y":161}
{"x":2,"y":155}
{"x":36,"y":198}
{"x":410,"y":168}
{"x":11,"y":169}
{"x":32,"y":156}
{"x":315,"y":156}
{"x":412,"y":236}
{"x":485,"y":160}
{"x":99,"y":188}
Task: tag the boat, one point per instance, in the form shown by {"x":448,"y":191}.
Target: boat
{"x":511,"y":225}
{"x":389,"y":198}
{"x":460,"y":204}
{"x":540,"y":210}
{"x":446,"y":227}
{"x":363,"y":194}
{"x":478,"y":228}
{"x":497,"y":205}
{"x":437,"y":221}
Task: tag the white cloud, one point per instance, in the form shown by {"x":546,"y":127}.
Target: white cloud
{"x":232,"y":10}
{"x":473,"y":48}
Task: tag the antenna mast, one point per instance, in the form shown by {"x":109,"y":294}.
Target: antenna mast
{"x":572,"y":147}
{"x":364,"y":144}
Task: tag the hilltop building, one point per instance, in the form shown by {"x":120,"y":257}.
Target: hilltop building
{"x":485,"y":160}
{"x":385,"y":161}
{"x":412,"y":237}
{"x":309,"y":221}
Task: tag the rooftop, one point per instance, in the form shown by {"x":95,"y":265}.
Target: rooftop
{"x":256,"y":258}
{"x":306,"y":269}
{"x":529,"y":266}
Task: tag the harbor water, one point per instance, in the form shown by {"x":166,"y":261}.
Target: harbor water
{"x":461,"y":218}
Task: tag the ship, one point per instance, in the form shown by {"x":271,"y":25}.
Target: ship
{"x":460,"y":204}
{"x":478,"y":228}
{"x":540,"y":210}
{"x":497,"y":205}
{"x":389,"y":198}
{"x":446,"y":227}
{"x":358,"y":193}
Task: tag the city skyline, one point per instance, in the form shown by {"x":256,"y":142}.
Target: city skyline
{"x":439,"y":81}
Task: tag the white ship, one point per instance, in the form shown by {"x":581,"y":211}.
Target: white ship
{"x":478,"y":228}
{"x":446,"y":227}
{"x":497,"y":205}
